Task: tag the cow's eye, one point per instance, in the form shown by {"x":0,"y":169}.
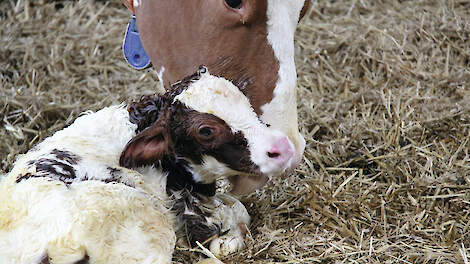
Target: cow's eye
{"x":206,"y":131}
{"x":234,"y":3}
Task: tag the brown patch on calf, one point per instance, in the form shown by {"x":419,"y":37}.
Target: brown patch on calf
{"x":168,"y":129}
{"x":231,"y":42}
{"x":192,"y":141}
{"x":182,"y":132}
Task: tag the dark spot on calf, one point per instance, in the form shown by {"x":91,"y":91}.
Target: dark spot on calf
{"x":114,"y":180}
{"x":114,"y":172}
{"x":51,"y":168}
{"x":58,"y":168}
{"x":24,"y":177}
{"x":115,"y":177}
{"x":45,"y":260}
{"x":62,"y":170}
{"x":84,"y":260}
{"x":55,"y":169}
{"x":66,"y":156}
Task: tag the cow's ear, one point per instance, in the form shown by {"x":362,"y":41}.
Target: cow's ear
{"x":304,"y":9}
{"x":147,"y":147}
{"x":130,"y":5}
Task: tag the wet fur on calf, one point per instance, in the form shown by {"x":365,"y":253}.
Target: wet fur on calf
{"x":68,"y":200}
{"x":94,"y":180}
{"x":182,"y":141}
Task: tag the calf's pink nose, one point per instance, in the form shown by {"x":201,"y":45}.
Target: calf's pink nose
{"x":281,"y":150}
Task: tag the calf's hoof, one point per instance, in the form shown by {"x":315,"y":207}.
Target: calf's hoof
{"x":227,"y":244}
{"x":235,"y":219}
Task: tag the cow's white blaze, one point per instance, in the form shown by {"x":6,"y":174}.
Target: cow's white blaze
{"x":228,"y":103}
{"x":281,"y":112}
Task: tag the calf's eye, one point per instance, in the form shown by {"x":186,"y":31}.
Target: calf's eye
{"x":206,"y":131}
{"x":234,"y":3}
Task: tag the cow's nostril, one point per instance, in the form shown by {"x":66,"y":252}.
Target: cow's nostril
{"x":273,"y":155}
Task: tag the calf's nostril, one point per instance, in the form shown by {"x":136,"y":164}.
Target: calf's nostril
{"x":273,"y":155}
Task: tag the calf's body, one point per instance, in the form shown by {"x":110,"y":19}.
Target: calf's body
{"x":91,"y":207}
{"x":114,"y":186}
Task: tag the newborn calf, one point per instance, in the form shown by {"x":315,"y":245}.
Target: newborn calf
{"x":115,"y":185}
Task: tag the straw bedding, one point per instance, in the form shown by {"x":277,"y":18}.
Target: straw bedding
{"x":384,"y":103}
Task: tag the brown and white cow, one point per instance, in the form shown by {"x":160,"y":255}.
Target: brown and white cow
{"x":250,"y":42}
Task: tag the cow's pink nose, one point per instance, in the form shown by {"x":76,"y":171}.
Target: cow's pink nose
{"x":281,"y":150}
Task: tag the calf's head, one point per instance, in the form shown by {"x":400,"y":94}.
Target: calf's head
{"x":206,"y":125}
{"x":249,"y":42}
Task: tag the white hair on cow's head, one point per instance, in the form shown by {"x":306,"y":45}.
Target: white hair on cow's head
{"x":220,"y":97}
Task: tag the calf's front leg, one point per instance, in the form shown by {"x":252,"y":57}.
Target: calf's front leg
{"x":221,"y":219}
{"x":234,"y":220}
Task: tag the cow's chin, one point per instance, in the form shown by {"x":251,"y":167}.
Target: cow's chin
{"x":248,"y":183}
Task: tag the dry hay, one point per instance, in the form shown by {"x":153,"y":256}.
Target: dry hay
{"x":384,"y":104}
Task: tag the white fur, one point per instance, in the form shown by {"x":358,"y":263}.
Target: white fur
{"x":281,"y":112}
{"x":229,"y":104}
{"x":113,"y":222}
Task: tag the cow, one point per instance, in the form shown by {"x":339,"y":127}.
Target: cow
{"x":249,"y":42}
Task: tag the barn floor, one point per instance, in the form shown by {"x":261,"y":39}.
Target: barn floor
{"x":384,"y":103}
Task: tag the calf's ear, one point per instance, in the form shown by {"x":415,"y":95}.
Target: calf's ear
{"x":130,"y":5}
{"x":147,"y":147}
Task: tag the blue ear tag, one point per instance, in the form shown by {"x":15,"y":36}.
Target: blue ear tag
{"x":132,"y":47}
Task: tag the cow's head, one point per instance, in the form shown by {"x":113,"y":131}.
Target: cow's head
{"x":250,"y":42}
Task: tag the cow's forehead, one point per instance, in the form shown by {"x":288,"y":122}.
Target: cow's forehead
{"x":218,"y":96}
